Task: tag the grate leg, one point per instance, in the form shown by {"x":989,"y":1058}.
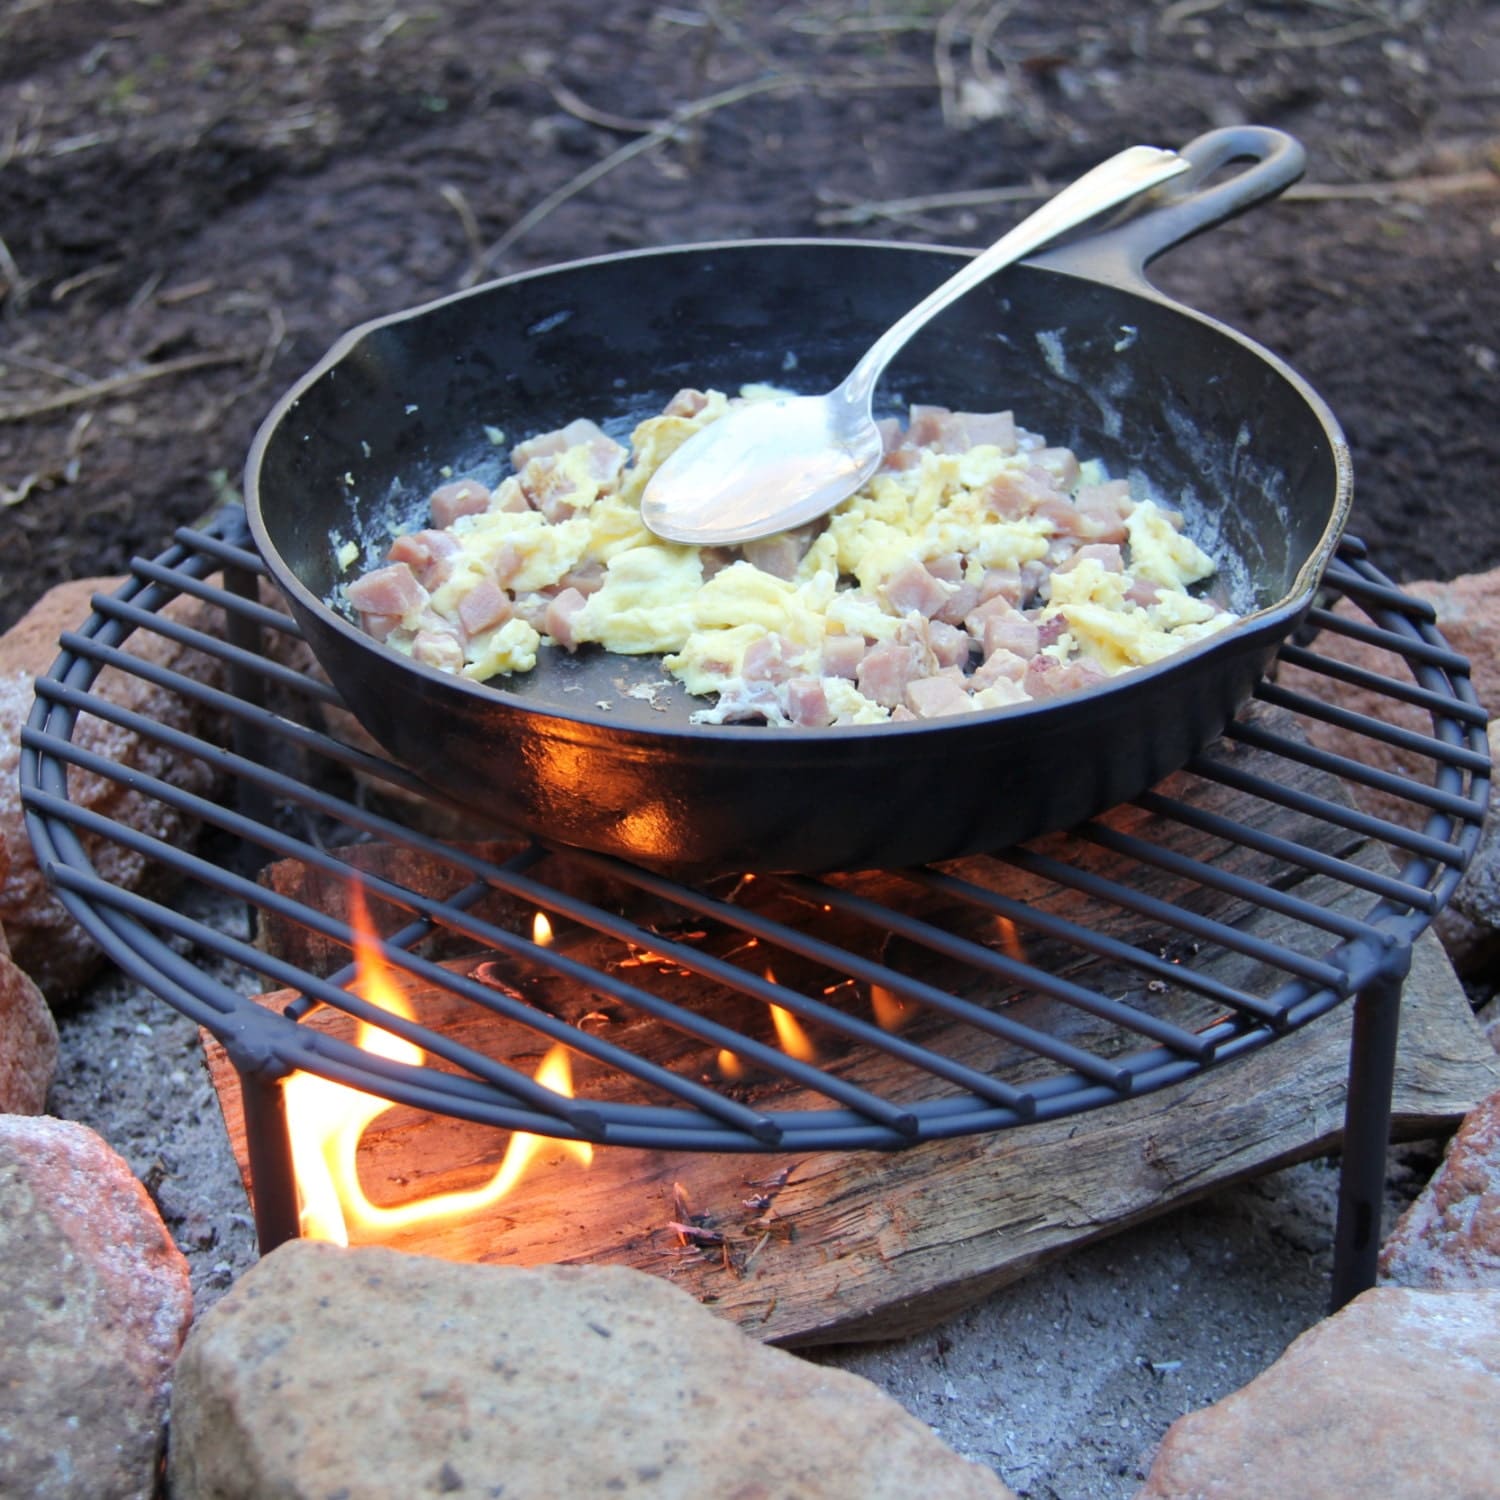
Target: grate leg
{"x":1367,"y":1129}
{"x":268,"y":1144}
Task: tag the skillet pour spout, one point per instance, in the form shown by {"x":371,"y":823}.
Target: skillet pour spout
{"x":1078,"y":342}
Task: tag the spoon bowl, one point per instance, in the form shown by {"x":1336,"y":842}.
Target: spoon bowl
{"x":767,"y":466}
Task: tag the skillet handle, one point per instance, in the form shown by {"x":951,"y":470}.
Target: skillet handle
{"x":1185,"y":207}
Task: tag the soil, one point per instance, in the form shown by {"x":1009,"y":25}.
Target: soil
{"x":196,"y":199}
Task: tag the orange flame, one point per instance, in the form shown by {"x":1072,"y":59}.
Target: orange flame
{"x":541,"y":930}
{"x":794,"y":1041}
{"x":729,"y":1064}
{"x":891,"y":1011}
{"x":327,"y":1120}
{"x":1010,"y":940}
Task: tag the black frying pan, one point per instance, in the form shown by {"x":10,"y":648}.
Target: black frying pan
{"x":1082,"y":347}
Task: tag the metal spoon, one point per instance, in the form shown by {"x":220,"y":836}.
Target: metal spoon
{"x":771,"y":465}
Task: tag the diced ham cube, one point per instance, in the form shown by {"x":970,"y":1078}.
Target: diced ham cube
{"x":842,"y":655}
{"x":807,"y":703}
{"x":379,"y":626}
{"x":1000,"y":665}
{"x":900,"y":453}
{"x":559,"y":614}
{"x":964,"y":597}
{"x":949,"y":567}
{"x":912,"y":587}
{"x":889,"y":666}
{"x":957,"y":431}
{"x":777,"y":555}
{"x":549,"y":489}
{"x":509,"y":496}
{"x":1011,"y":495}
{"x":1106,"y":506}
{"x":438,"y":648}
{"x":587,"y":577}
{"x":1106,"y":554}
{"x":1050,"y":630}
{"x":550,"y":444}
{"x":483,"y":607}
{"x":1009,"y":583}
{"x":429,"y":554}
{"x":1048,"y":678}
{"x":506,"y":563}
{"x":950,"y":645}
{"x":1144,"y":592}
{"x":391,"y":590}
{"x":463,"y":497}
{"x":769,"y":659}
{"x":686,"y":403}
{"x":1013,"y":633}
{"x":996,"y":607}
{"x":1058,"y":465}
{"x":936,"y":697}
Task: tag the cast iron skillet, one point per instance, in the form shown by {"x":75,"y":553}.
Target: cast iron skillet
{"x":1082,"y":347}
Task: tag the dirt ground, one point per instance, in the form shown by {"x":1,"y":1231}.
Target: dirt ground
{"x":196,"y":198}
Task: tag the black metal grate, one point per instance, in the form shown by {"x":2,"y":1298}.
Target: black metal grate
{"x":1118,"y":989}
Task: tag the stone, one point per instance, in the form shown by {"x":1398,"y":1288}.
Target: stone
{"x":44,"y":939}
{"x":327,"y":1371}
{"x":28,"y":1040}
{"x":1449,"y":1236}
{"x":94,"y":1305}
{"x":1393,"y":1396}
{"x":1468,"y":616}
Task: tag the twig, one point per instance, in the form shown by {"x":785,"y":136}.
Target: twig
{"x":896,"y":208}
{"x":581,"y":109}
{"x":1417,"y":189}
{"x":454,"y":197}
{"x":113,"y":385}
{"x":1184,"y":10}
{"x":65,"y":289}
{"x":11,"y":273}
{"x":662,"y":132}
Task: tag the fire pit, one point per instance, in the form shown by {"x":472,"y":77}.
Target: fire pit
{"x":883,"y":1012}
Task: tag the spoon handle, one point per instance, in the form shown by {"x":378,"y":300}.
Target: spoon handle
{"x":1123,"y":176}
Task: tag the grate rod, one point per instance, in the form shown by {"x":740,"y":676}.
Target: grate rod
{"x":486,"y":996}
{"x":1242,"y":888}
{"x":1189,"y":1043}
{"x":867,"y":970}
{"x":1375,"y":729}
{"x":1351,"y":818}
{"x":231,"y":554}
{"x":1389,"y":640}
{"x":1206,"y":929}
{"x":1437,"y":704}
{"x":157,"y":624}
{"x":1337,"y":765}
{"x":1098,"y":943}
{"x":1376,"y":884}
{"x":167,"y":576}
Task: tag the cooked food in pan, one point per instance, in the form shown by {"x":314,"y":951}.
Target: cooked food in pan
{"x":978,"y":568}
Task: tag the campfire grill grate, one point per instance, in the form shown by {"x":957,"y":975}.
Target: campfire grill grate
{"x":301,"y":792}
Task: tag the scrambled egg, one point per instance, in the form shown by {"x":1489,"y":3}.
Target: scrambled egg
{"x":907,"y":571}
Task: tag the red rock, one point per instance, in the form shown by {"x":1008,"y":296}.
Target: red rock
{"x":1393,"y":1396}
{"x":1450,"y":1236}
{"x":44,"y":939}
{"x":1468,"y":616}
{"x":28,"y":1041}
{"x":94,"y":1305}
